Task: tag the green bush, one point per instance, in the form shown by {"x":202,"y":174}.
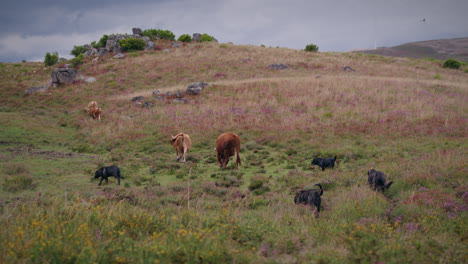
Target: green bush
{"x":185,"y":38}
{"x":77,"y":60}
{"x":51,"y":59}
{"x":131,"y":44}
{"x":311,"y":48}
{"x":78,"y":50}
{"x":160,"y":33}
{"x":452,"y":64}
{"x":206,"y":38}
{"x":150,"y":33}
{"x":102,"y":42}
{"x":166,"y":34}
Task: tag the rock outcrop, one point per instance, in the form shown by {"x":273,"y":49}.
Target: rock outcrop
{"x":196,"y":88}
{"x":63,"y":75}
{"x":279,"y":66}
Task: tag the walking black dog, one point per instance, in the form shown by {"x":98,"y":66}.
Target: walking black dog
{"x":377,"y":181}
{"x":310,"y":197}
{"x":106,"y":172}
{"x":324,"y":162}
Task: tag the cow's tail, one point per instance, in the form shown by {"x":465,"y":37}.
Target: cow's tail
{"x":321,"y":189}
{"x":334,"y":158}
{"x":238,"y":160}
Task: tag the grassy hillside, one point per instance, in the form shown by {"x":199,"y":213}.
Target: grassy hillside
{"x":404,"y":117}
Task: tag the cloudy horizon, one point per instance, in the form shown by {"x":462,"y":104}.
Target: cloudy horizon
{"x":29,"y":28}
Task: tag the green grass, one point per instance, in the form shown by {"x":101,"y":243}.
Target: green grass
{"x":399,"y":118}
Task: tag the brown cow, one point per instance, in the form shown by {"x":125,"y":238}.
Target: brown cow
{"x":227,"y":145}
{"x":95,"y":113}
{"x":182,"y":144}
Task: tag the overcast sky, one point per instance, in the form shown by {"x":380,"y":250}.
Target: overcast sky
{"x":30,"y":28}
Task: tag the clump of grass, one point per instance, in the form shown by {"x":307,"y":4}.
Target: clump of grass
{"x":18,"y":178}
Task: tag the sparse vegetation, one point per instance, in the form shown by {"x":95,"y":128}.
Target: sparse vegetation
{"x":77,"y":60}
{"x":396,"y":117}
{"x":101,"y":43}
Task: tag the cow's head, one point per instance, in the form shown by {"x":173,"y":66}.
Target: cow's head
{"x":98,"y":173}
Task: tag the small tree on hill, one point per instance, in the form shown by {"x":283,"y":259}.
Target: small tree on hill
{"x":311,"y":48}
{"x":51,"y":59}
{"x":77,"y":50}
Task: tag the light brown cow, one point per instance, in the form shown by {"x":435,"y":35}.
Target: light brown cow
{"x":95,"y":113}
{"x":227,"y":145}
{"x":182,"y":144}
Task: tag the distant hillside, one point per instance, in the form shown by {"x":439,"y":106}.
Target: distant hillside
{"x":441,"y":49}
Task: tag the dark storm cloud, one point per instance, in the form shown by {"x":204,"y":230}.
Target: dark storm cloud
{"x":28,"y":29}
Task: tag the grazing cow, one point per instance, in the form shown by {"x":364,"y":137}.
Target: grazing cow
{"x":377,"y":181}
{"x":227,"y":145}
{"x":310,"y":197}
{"x":182,"y":144}
{"x":324,"y":162}
{"x":95,"y":113}
{"x":106,"y":172}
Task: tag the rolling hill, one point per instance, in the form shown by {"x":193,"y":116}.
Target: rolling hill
{"x":404,"y":117}
{"x":440,"y":49}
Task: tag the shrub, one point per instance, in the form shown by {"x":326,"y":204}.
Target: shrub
{"x":311,"y":48}
{"x":51,"y":59}
{"x":206,"y":38}
{"x":131,"y":44}
{"x":77,"y":60}
{"x":166,"y":34}
{"x":160,"y":33}
{"x":185,"y":38}
{"x":259,"y":185}
{"x":78,"y":50}
{"x":452,"y":64}
{"x":19,"y":178}
{"x":102,"y":42}
{"x":150,"y":33}
{"x":19,"y":183}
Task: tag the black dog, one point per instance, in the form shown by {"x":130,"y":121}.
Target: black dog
{"x":106,"y":172}
{"x":377,"y":181}
{"x":324,"y":162}
{"x":310,"y":197}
